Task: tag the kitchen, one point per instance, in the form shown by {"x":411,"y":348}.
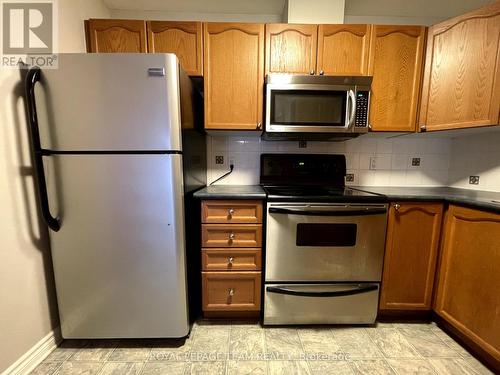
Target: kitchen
{"x":350,"y":221}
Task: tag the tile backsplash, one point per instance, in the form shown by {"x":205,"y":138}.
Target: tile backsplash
{"x":476,"y":155}
{"x":371,"y":160}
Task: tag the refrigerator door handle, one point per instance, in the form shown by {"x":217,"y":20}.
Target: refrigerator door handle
{"x":32,"y":78}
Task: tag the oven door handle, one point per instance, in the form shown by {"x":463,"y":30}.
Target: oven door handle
{"x":332,"y":293}
{"x":290,"y":211}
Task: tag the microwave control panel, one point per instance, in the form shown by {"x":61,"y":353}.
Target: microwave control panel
{"x":362,"y":99}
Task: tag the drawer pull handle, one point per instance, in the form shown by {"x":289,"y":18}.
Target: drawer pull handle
{"x":231,"y":236}
{"x":230,"y":260}
{"x":231,"y":292}
{"x":230,"y":212}
{"x":397,"y":206}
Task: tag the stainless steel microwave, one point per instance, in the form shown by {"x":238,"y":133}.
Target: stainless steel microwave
{"x":316,"y":107}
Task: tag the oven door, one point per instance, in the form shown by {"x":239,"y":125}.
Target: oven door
{"x":310,"y":108}
{"x":325,"y":242}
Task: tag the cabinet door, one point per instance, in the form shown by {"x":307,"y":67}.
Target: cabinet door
{"x":182,"y":38}
{"x":461,"y":86}
{"x":343,"y":49}
{"x":396,"y":67}
{"x":291,"y":48}
{"x":116,"y":35}
{"x":468,"y":294}
{"x":413,"y":234}
{"x":234,"y":75}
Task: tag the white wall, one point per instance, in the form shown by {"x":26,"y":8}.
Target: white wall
{"x":393,"y":159}
{"x":28,"y":306}
{"x":317,"y":11}
{"x":476,"y":155}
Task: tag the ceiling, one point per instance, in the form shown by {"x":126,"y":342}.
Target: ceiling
{"x":201,"y":6}
{"x":412,"y":8}
{"x":398,"y":8}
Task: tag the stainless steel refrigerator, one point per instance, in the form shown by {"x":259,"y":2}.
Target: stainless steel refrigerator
{"x":110,"y":134}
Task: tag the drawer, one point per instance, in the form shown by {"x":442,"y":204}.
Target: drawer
{"x":320,"y":303}
{"x":231,"y":259}
{"x":221,"y":212}
{"x":231,"y":291}
{"x":231,"y":235}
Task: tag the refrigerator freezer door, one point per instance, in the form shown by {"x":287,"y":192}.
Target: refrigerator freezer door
{"x":119,"y":257}
{"x":106,"y":102}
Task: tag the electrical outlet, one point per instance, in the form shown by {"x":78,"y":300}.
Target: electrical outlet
{"x":474,"y":180}
{"x":302,"y":144}
{"x":415,"y":162}
{"x":373,"y":162}
{"x":349,"y":177}
{"x":219,"y":159}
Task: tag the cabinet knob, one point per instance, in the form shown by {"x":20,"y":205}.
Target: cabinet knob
{"x":311,"y":72}
{"x":230,"y":260}
{"x":423,"y":128}
{"x":231,"y":236}
{"x":259,"y":125}
{"x":231,"y":292}
{"x":397,"y":206}
{"x":230,"y":212}
{"x":321,"y":73}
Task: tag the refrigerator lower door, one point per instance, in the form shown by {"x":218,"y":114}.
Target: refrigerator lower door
{"x":119,"y":257}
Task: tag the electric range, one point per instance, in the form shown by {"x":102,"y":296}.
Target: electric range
{"x":324,"y":242}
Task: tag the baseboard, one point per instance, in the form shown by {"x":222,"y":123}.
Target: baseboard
{"x":33,"y":357}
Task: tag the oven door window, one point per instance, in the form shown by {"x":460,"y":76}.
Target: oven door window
{"x":331,"y":235}
{"x":308,"y":107}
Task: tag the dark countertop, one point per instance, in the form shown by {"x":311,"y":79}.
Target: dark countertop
{"x":485,"y":200}
{"x":231,"y":192}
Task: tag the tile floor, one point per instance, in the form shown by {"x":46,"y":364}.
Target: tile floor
{"x":238,"y":348}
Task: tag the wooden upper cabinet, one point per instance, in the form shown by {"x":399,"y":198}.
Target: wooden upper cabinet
{"x":461,"y":86}
{"x":291,"y":48}
{"x":109,"y":35}
{"x":182,"y":38}
{"x":396,"y":66}
{"x":467,"y":290}
{"x":413,"y":234}
{"x":343,"y":49}
{"x":233,"y":67}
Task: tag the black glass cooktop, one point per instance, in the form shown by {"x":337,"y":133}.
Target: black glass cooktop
{"x":316,"y":192}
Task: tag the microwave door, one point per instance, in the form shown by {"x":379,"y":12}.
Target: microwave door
{"x":309,"y":109}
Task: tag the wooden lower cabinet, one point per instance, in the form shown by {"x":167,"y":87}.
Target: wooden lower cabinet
{"x":232,"y":235}
{"x":231,"y":291}
{"x":413,"y":234}
{"x":231,"y":258}
{"x":468,"y":288}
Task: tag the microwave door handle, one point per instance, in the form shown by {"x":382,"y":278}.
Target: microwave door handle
{"x":360,"y":212}
{"x":352,"y":106}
